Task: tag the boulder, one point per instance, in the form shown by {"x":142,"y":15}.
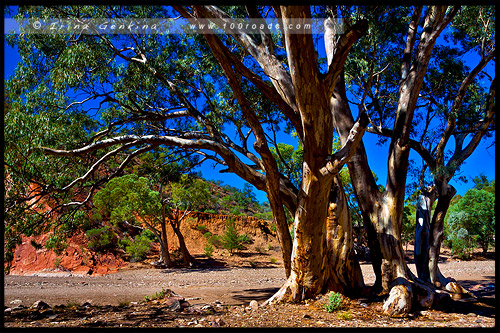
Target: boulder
{"x":40,"y":305}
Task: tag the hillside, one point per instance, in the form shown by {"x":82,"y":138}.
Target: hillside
{"x":78,"y":259}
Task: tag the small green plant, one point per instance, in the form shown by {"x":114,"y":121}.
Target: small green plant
{"x":245,"y":239}
{"x":334,"y":303}
{"x":149,"y":234}
{"x":230,"y":237}
{"x":201,"y":228}
{"x":231,"y":240}
{"x":209,"y":250}
{"x":72,"y":305}
{"x":274,"y":260}
{"x":56,"y":243}
{"x":57,"y":263}
{"x":101,"y":239}
{"x":157,"y":295}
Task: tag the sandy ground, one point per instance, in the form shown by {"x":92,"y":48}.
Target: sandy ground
{"x":230,"y":285}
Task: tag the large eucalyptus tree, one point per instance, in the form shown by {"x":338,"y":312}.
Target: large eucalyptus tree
{"x":416,"y":102}
{"x":189,"y":91}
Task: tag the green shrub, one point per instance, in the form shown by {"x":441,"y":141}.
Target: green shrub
{"x":149,"y":234}
{"x":139,"y":247}
{"x":264,"y":216}
{"x":209,"y":250}
{"x":157,"y":295}
{"x":101,"y":239}
{"x":334,"y":303}
{"x":124,"y":242}
{"x":236,"y":211}
{"x":201,"y":228}
{"x":244,"y":239}
{"x":56,"y":243}
{"x":230,"y":238}
{"x":461,"y":243}
{"x":215,"y":240}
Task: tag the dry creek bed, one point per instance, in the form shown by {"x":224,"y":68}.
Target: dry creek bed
{"x":222,"y":296}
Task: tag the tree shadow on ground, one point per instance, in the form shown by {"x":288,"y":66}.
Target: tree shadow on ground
{"x":206,"y":269}
{"x":257,"y":294}
{"x":481,"y":306}
{"x":486,"y":286}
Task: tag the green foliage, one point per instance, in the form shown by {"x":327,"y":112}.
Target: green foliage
{"x":334,"y":302}
{"x":236,"y":211}
{"x":149,"y":235}
{"x":459,"y":239}
{"x":230,"y":200}
{"x":57,"y":243}
{"x":471,"y":221}
{"x":245,"y":239}
{"x":125,"y":197}
{"x":139,"y":248}
{"x":483,"y":183}
{"x":157,"y":295}
{"x":289,"y":161}
{"x":231,"y":239}
{"x":264,"y":216}
{"x":208,"y":250}
{"x":408,"y":225}
{"x":190,"y":193}
{"x":124,"y":242}
{"x":215,"y":240}
{"x":101,"y":239}
{"x":201,"y":228}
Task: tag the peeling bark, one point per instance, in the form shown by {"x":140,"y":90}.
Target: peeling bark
{"x":345,"y":272}
{"x":328,"y":263}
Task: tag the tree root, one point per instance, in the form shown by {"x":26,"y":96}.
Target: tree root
{"x":406,"y":295}
{"x":399,"y":302}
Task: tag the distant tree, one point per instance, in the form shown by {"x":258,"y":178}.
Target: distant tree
{"x":130,"y":200}
{"x":186,"y":195}
{"x":474,"y":212}
{"x":408,"y":230}
{"x":482,"y":183}
{"x":231,"y":239}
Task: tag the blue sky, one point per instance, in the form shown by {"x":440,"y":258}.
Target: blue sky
{"x":482,"y":161}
